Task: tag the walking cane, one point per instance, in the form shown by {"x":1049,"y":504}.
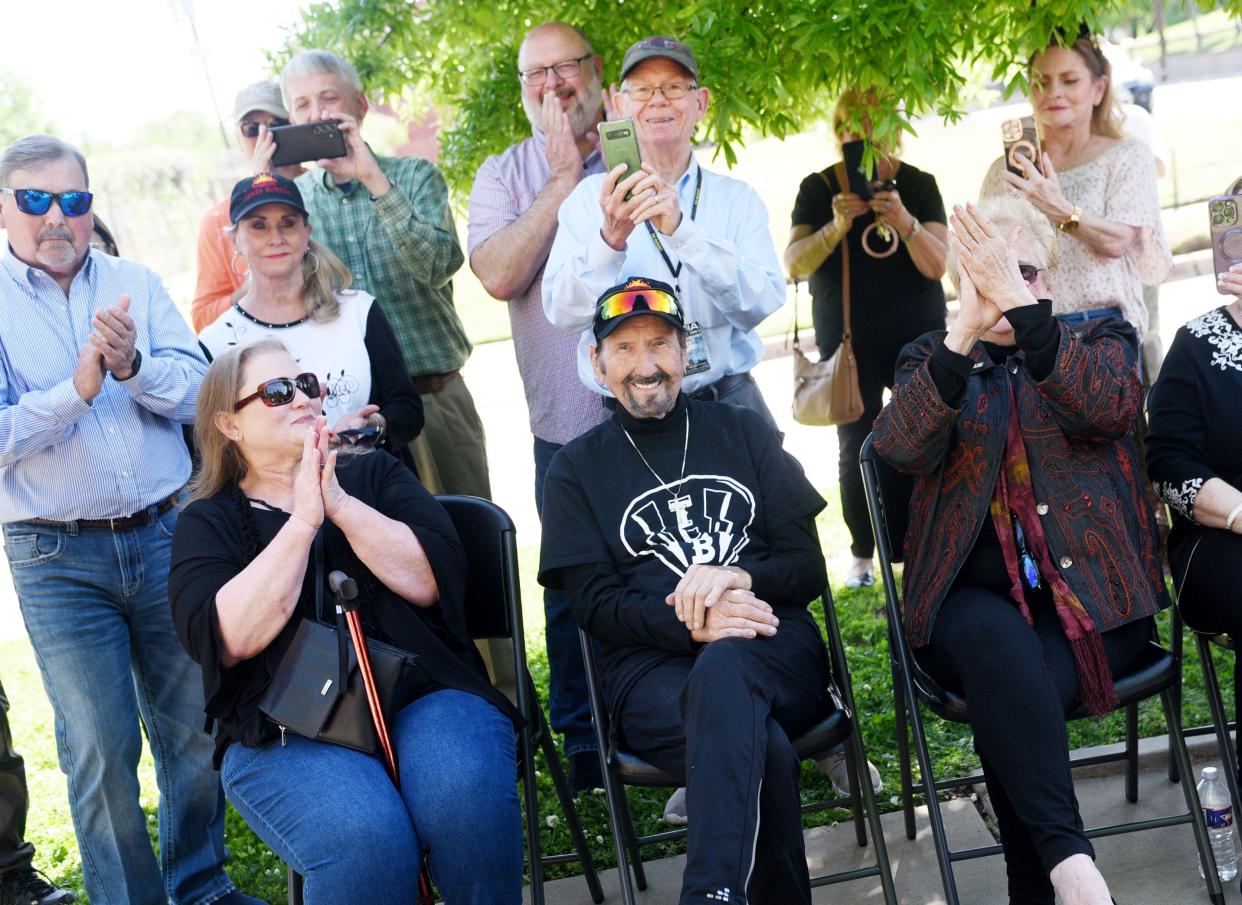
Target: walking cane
{"x":345,"y":589}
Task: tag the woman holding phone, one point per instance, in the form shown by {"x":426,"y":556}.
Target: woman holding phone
{"x":1093,"y":184}
{"x":894,"y":243}
{"x":296,"y":291}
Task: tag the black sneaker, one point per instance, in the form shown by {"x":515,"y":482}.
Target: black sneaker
{"x":584,"y":773}
{"x":26,"y":886}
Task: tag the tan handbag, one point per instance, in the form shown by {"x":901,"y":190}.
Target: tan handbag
{"x":826,"y":392}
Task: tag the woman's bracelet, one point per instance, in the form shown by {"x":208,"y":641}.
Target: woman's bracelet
{"x":914,"y":231}
{"x":303,"y":521}
{"x":1233,"y":515}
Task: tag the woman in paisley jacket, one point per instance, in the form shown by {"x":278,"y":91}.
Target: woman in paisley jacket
{"x":1032,"y":560}
{"x":1194,"y":458}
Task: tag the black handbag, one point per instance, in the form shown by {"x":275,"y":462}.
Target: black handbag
{"x":317,"y":691}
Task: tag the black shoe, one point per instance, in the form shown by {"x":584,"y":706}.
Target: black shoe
{"x":26,"y":886}
{"x":584,"y":772}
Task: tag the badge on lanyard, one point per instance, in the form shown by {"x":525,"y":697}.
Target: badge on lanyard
{"x":696,"y":350}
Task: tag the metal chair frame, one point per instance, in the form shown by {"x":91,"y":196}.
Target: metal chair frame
{"x":623,"y":768}
{"x":494,"y":610}
{"x":913,"y":686}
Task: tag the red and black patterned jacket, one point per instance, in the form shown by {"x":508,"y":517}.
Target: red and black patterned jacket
{"x":1076,"y":423}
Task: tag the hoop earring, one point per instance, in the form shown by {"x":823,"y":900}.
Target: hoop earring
{"x":233,"y":265}
{"x":314,"y":257}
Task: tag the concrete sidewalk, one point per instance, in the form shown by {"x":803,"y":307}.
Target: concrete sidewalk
{"x":1155,"y":867}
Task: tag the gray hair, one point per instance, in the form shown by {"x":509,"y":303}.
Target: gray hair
{"x":1008,"y":212}
{"x":36,"y":150}
{"x":315,"y":62}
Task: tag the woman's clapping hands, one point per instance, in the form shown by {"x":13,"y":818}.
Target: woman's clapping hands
{"x":316,"y":492}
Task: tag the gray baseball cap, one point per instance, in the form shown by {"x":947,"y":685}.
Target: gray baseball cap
{"x":659,"y":46}
{"x":263,"y":96}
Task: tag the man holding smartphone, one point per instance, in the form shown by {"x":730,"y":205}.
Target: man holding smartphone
{"x":706,"y":234}
{"x":257,"y":105}
{"x":513,"y":209}
{"x":388,"y":219}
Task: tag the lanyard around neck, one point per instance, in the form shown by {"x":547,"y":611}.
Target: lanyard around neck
{"x":655,"y":237}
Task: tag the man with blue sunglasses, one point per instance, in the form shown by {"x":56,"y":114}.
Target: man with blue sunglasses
{"x":98,"y":373}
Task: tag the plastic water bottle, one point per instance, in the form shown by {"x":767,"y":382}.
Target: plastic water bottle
{"x":1218,"y":815}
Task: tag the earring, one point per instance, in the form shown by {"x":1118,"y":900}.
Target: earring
{"x":314,"y":257}
{"x":233,"y":265}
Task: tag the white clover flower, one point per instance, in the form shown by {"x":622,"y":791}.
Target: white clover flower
{"x":552,"y":820}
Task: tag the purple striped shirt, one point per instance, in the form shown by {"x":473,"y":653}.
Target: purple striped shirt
{"x":561,"y":407}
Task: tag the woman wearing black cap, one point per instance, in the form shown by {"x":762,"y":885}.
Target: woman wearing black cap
{"x":296,"y":292}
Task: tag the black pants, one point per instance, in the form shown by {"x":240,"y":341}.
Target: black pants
{"x":1205,"y":562}
{"x":1020,"y":682}
{"x":876,"y":365}
{"x":722,"y":721}
{"x":14,"y":850}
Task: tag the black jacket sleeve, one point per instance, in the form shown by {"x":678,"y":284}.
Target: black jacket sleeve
{"x":609,"y":609}
{"x":1178,"y":454}
{"x":391,"y":388}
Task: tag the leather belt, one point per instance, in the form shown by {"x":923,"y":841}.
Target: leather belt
{"x":140,"y":519}
{"x":432,"y":383}
{"x":712,"y":392}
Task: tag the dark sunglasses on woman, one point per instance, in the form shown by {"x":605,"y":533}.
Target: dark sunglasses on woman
{"x":37,"y":202}
{"x":1029,"y":272}
{"x":281,"y":390}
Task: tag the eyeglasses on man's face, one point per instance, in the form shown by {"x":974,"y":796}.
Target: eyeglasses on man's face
{"x":37,"y":202}
{"x":672,"y":92}
{"x":566,"y":69}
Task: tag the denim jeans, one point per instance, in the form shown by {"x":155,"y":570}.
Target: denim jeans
{"x":569,"y":708}
{"x":95,"y":604}
{"x":335,"y":817}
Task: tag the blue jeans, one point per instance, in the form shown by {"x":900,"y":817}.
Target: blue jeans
{"x":335,"y":817}
{"x":569,"y":706}
{"x":95,"y":603}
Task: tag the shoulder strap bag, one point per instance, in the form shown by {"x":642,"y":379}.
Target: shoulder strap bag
{"x":317,"y":691}
{"x":826,"y":392}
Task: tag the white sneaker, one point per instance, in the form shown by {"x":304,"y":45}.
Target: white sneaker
{"x":675,"y":810}
{"x":860,"y":574}
{"x":837,"y":770}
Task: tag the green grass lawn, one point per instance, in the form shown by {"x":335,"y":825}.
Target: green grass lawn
{"x":258,"y":872}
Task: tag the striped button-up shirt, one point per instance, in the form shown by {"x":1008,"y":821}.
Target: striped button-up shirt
{"x":401,"y":248}
{"x":561,"y":407}
{"x":61,"y":457}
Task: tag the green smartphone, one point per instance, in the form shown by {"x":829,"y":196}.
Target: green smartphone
{"x":618,"y":142}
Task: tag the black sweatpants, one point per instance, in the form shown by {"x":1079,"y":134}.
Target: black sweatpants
{"x":1020,"y":682}
{"x":15,"y":851}
{"x":722,"y":720}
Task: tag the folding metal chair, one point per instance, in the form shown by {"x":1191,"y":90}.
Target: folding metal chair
{"x":1159,"y":672}
{"x":623,"y":768}
{"x":494,"y":610}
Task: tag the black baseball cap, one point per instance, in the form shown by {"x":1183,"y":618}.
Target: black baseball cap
{"x":636,"y":296}
{"x":266,"y":188}
{"x":660,"y":46}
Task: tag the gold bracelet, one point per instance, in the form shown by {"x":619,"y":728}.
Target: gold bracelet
{"x":914,"y":231}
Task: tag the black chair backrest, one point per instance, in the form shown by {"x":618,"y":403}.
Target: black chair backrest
{"x":893,"y":492}
{"x":489,"y":538}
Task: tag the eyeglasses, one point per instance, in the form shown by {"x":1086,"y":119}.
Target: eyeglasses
{"x":566,"y":69}
{"x":1030,"y":272}
{"x":250,"y":129}
{"x":673,"y":92}
{"x":1026,"y":562}
{"x":624,"y":302}
{"x":37,"y":201}
{"x":281,"y":390}
{"x":361,"y":439}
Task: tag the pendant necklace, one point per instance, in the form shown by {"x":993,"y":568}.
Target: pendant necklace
{"x":678,"y":505}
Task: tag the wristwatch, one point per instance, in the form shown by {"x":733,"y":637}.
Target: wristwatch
{"x":1070,"y":223}
{"x":135,"y":364}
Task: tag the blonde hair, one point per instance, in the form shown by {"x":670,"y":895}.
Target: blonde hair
{"x":323,"y":276}
{"x":858,"y":100}
{"x":221,"y":462}
{"x":1106,"y":118}
{"x":1008,"y":212}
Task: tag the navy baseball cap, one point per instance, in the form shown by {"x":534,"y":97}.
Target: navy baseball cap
{"x":266,"y":188}
{"x":636,"y":296}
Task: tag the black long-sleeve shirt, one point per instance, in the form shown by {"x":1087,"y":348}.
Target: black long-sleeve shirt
{"x":618,"y":539}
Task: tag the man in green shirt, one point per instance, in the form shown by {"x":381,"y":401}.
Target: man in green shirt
{"x":388,"y":219}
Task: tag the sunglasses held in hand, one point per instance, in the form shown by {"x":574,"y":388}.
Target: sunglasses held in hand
{"x":359,"y":439}
{"x":37,"y":202}
{"x":281,"y":390}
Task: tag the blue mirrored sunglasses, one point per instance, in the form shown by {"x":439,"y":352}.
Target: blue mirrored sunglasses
{"x":37,"y":201}
{"x":1030,"y":571}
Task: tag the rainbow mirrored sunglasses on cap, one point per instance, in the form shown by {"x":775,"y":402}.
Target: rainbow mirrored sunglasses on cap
{"x":636,"y":297}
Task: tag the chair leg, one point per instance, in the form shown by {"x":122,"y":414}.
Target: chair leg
{"x":859,"y":775}
{"x":873,"y":816}
{"x":295,"y":887}
{"x":1220,"y":721}
{"x":614,"y":795}
{"x":1173,"y":720}
{"x":934,"y":816}
{"x":531,"y":793}
{"x":1132,"y":795}
{"x":1177,"y":704}
{"x":903,"y":755}
{"x":557,"y":774}
{"x":631,"y":839}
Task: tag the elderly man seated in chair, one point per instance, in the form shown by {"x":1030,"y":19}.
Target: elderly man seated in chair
{"x":685,"y":539}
